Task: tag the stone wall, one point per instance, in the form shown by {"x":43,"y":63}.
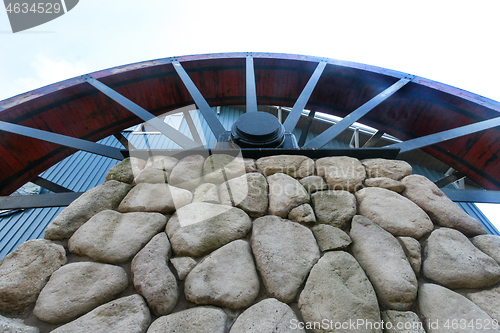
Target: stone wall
{"x":280,"y":244}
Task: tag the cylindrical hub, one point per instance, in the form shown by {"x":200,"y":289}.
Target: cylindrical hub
{"x":258,"y":130}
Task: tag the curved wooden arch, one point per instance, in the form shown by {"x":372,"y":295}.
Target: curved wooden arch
{"x":75,"y":108}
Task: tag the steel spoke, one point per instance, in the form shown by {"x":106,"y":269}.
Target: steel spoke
{"x":250,"y":83}
{"x":332,"y":132}
{"x":374,"y":139}
{"x":305,"y":130}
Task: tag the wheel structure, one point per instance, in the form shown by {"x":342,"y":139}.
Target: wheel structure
{"x":42,"y":127}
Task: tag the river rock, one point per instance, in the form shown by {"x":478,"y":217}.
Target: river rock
{"x":330,"y":238}
{"x":488,"y":300}
{"x":188,"y":172}
{"x":151,"y":176}
{"x":201,"y":227}
{"x":413,"y":251}
{"x":24,"y":272}
{"x":77,"y":288}
{"x":296,"y":166}
{"x":183,"y":265}
{"x":285,"y":193}
{"x":8,"y":325}
{"x":161,"y":198}
{"x":250,"y":165}
{"x":335,"y":208}
{"x":112,"y":237}
{"x":194,"y":320}
{"x":206,"y":192}
{"x":489,"y":244}
{"x":284,"y":252}
{"x":453,"y":261}
{"x":302,"y":214}
{"x":105,"y":196}
{"x":125,"y":315}
{"x":393,"y":212}
{"x":152,"y":277}
{"x":385,"y":263}
{"x":248,"y":192}
{"x":384,"y":182}
{"x":341,"y":172}
{"x":227,"y":277}
{"x":314,"y":183}
{"x":438,"y":305}
{"x":219,"y":168}
{"x":338,"y":290}
{"x":402,"y":322}
{"x":159,"y":162}
{"x":439,"y":207}
{"x":269,"y":315}
{"x":393,"y":169}
{"x":126,"y":170}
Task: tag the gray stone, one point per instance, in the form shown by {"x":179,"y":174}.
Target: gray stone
{"x":201,"y":227}
{"x":335,"y":208}
{"x":285,"y":193}
{"x":488,"y":300}
{"x":393,"y":212}
{"x":227,"y":277}
{"x":221,"y":167}
{"x":402,"y":322}
{"x":438,"y":306}
{"x":439,"y":207}
{"x":250,"y":165}
{"x":284,"y":252}
{"x":8,"y":325}
{"x":269,"y":315}
{"x":159,"y":162}
{"x":77,"y":288}
{"x":126,"y":170}
{"x":206,"y":192}
{"x":338,"y":290}
{"x":151,"y":176}
{"x":152,"y":277}
{"x":296,"y":166}
{"x":314,"y":183}
{"x":125,"y":315}
{"x":384,"y":182}
{"x":161,"y":198}
{"x":341,"y":172}
{"x":24,"y":272}
{"x":183,"y":265}
{"x":413,"y":251}
{"x":105,"y":196}
{"x":385,"y":263}
{"x":330,"y":238}
{"x":489,"y":244}
{"x":379,"y":167}
{"x":302,"y":214}
{"x":188,"y":172}
{"x":453,"y":261}
{"x":112,"y":237}
{"x":248,"y":192}
{"x":194,"y":320}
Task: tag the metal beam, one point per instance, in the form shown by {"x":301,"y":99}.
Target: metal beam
{"x":51,"y":186}
{"x":63,"y":140}
{"x":123,"y":140}
{"x":480,"y":196}
{"x":431,"y":139}
{"x":250,"y":80}
{"x":192,"y":127}
{"x":450,"y":179}
{"x":148,"y":117}
{"x":374,"y":139}
{"x":38,"y":200}
{"x":307,"y":127}
{"x":300,"y":104}
{"x":332,"y":132}
{"x":211,"y":119}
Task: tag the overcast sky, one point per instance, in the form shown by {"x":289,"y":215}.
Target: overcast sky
{"x":454,"y":42}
